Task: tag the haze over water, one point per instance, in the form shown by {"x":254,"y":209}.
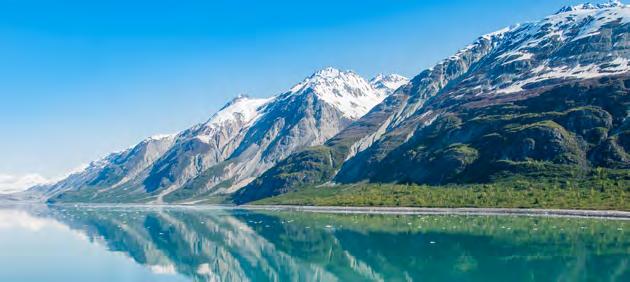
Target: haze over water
{"x":214,"y":244}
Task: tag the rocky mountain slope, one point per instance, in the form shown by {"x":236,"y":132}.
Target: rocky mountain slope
{"x":240,"y":142}
{"x":547,"y":97}
{"x":111,"y":171}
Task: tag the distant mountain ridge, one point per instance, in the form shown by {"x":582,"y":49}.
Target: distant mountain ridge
{"x":238,"y":143}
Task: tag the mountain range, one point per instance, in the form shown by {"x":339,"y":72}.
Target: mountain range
{"x":546,"y":98}
{"x":237,"y":144}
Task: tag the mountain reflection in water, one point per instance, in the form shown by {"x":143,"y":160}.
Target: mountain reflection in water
{"x":215,"y":244}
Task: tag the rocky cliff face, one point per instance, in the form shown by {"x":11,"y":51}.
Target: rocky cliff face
{"x":203,"y":146}
{"x":243,"y":140}
{"x":112,"y":171}
{"x":580,"y":44}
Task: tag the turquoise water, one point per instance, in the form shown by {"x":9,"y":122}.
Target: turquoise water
{"x":213,"y":244}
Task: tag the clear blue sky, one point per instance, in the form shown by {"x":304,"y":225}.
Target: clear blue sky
{"x":79,"y":79}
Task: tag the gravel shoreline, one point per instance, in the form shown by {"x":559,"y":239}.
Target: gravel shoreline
{"x":459,"y":211}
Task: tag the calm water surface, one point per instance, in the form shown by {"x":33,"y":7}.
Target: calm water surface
{"x":39,"y":243}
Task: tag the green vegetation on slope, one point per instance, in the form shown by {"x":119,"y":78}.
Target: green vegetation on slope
{"x":599,"y":191}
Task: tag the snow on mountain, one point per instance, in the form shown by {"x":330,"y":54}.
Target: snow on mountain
{"x":589,"y":6}
{"x":386,"y":84}
{"x":347,"y":91}
{"x":242,"y":108}
{"x":241,"y":111}
{"x":578,"y":42}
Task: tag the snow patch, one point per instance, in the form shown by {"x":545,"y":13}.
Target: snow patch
{"x":159,"y":137}
{"x":242,"y":109}
{"x":163,"y":269}
{"x":617,"y":66}
{"x":388,"y":83}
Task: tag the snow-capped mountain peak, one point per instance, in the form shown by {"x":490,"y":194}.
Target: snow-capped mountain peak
{"x":345,"y":90}
{"x":242,"y":109}
{"x":329,"y":72}
{"x":589,"y":6}
{"x":386,"y":83}
{"x":579,"y":42}
{"x":327,"y":79}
